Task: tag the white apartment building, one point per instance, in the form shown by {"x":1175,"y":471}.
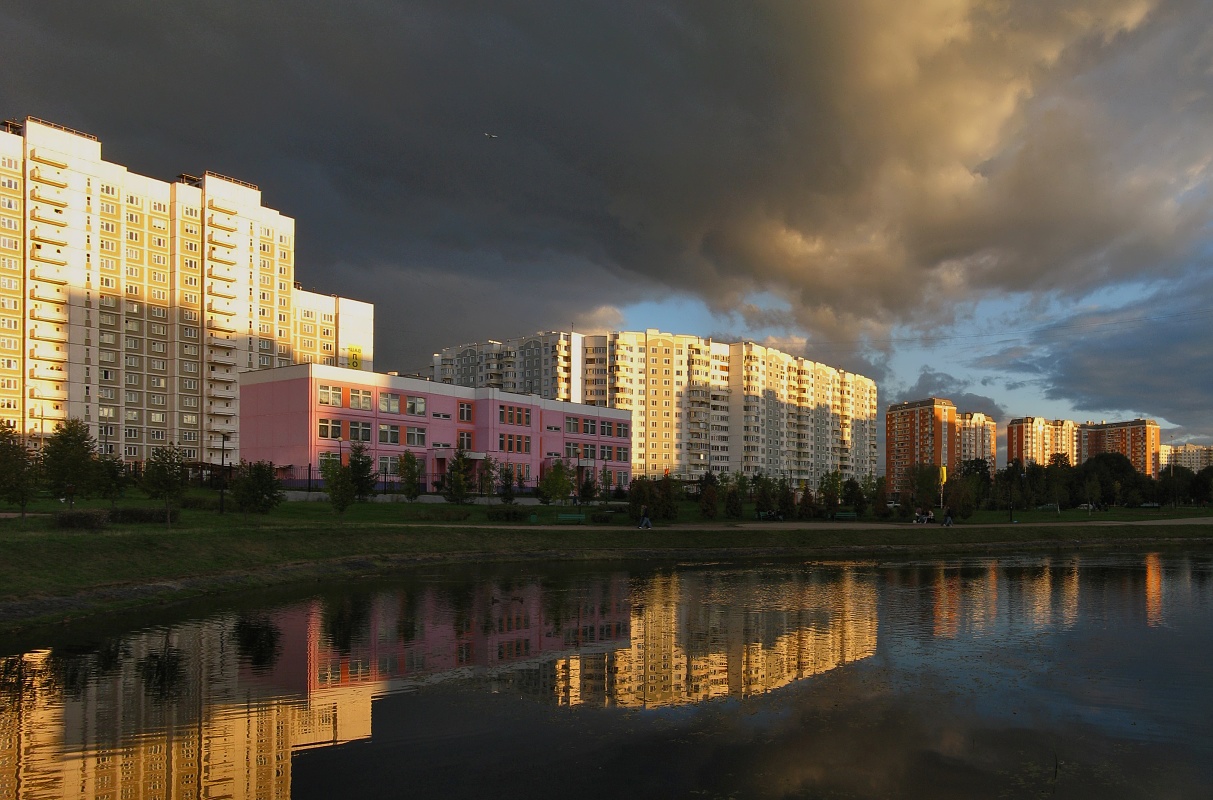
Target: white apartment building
{"x":696,"y":404}
{"x":1193,"y":456}
{"x":978,"y":438}
{"x":132,"y":303}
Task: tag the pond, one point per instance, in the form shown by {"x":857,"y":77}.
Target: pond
{"x":1069,"y":675}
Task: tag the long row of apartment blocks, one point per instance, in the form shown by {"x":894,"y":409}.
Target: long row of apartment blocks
{"x":697,"y":404}
{"x":932,"y":432}
{"x":134,"y":303}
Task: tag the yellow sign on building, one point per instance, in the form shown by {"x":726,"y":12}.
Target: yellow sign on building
{"x":355,"y":357}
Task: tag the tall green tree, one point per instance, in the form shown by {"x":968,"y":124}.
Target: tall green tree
{"x":68,"y":459}
{"x":255,"y":488}
{"x":456,"y":484}
{"x":708,"y":501}
{"x":20,"y":473}
{"x":853,"y":496}
{"x":641,"y":493}
{"x":732,"y":502}
{"x":410,"y":476}
{"x":486,"y":476}
{"x":764,"y":498}
{"x":362,"y":472}
{"x":829,"y":491}
{"x":505,"y":486}
{"x":667,"y":498}
{"x":807,"y":507}
{"x":165,"y":477}
{"x":785,"y":499}
{"x":110,"y":478}
{"x":339,"y":484}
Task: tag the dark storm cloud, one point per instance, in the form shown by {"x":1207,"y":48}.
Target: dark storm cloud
{"x":932,"y":383}
{"x":871,"y":163}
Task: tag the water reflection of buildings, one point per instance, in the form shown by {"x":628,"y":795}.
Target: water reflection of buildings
{"x":216,"y":708}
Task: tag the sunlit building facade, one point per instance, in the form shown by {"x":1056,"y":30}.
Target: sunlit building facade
{"x":698,"y":405}
{"x":1035,"y":440}
{"x":133,"y":303}
{"x":1137,"y":440}
{"x":920,"y":433}
{"x":1192,"y":456}
{"x":978,"y":438}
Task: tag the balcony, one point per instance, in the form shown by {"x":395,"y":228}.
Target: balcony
{"x":50,"y":178}
{"x":221,"y":224}
{"x":39,"y":235}
{"x":221,"y":358}
{"x":39,"y":197}
{"x":220,"y":426}
{"x":220,"y":308}
{"x":216,"y":325}
{"x":218,"y":259}
{"x":221,"y":290}
{"x":215,"y":205}
{"x":221,"y":411}
{"x":48,"y":355}
{"x":47,"y":373}
{"x":219,"y":241}
{"x":220,"y":394}
{"x":58,"y":221}
{"x":42,"y":393}
{"x":43,"y":314}
{"x":219,"y":341}
{"x":220,"y":274}
{"x":48,"y":335}
{"x":45,"y":412}
{"x":38,"y":255}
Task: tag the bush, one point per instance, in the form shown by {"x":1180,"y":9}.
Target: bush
{"x":83,"y":519}
{"x":441,"y":514}
{"x":602,"y":516}
{"x":196,"y":503}
{"x":507,"y":513}
{"x":129,"y":516}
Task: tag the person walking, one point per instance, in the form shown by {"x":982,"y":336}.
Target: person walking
{"x":645,"y":522}
{"x":947,"y":517}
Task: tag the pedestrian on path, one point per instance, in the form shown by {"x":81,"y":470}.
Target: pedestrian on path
{"x":645,"y":522}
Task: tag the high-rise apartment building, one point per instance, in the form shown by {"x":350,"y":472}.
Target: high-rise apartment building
{"x":978,"y":438}
{"x":132,"y":303}
{"x":1193,"y":456}
{"x":1138,"y":440}
{"x":697,"y":404}
{"x":920,"y":433}
{"x":1035,"y":440}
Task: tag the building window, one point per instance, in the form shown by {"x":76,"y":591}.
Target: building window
{"x":465,"y":440}
{"x":360,"y":431}
{"x":389,"y":434}
{"x":360,"y":399}
{"x":388,"y":465}
{"x":330,"y":395}
{"x":415,"y":437}
{"x":416,"y":405}
{"x":465,"y":412}
{"x":589,"y":426}
{"x":330,"y":429}
{"x":389,"y":403}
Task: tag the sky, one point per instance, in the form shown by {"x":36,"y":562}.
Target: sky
{"x":1003,"y":202}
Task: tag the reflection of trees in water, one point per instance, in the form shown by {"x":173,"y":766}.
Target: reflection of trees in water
{"x":163,"y":672}
{"x":346,"y":621}
{"x":258,"y":641}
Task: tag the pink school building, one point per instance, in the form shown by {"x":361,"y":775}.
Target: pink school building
{"x":306,"y":413}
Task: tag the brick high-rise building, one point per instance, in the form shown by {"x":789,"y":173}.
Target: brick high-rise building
{"x":920,"y":432}
{"x":1138,"y":440}
{"x":132,"y":303}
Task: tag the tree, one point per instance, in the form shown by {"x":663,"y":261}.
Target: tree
{"x":667,"y":498}
{"x":924,"y":485}
{"x":165,"y":477}
{"x":829,"y":491}
{"x":588,"y":490}
{"x":110,"y":478}
{"x":1202,"y":486}
{"x":255,"y":488}
{"x":410,"y":476}
{"x":555,"y":483}
{"x":339,"y":483}
{"x":19,"y":470}
{"x":732,"y":503}
{"x":786,"y":500}
{"x":708,"y":501}
{"x":456,"y":484}
{"x":880,"y":497}
{"x":505,"y":477}
{"x":853,"y":496}
{"x":68,"y":457}
{"x":807,"y":507}
{"x":486,"y":477}
{"x":641,"y":493}
{"x":743,"y":485}
{"x":362,"y":472}
{"x":763,"y":499}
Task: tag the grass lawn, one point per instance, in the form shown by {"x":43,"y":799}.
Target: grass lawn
{"x":36,"y":559}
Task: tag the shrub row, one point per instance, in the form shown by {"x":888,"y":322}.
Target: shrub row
{"x":441,"y":514}
{"x":507,"y":513}
{"x":96,"y":518}
{"x":197,"y":503}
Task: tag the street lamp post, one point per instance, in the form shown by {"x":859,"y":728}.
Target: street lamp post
{"x":222,"y":469}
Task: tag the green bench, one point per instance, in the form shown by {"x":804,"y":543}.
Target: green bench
{"x":845,"y":515}
{"x":578,"y":518}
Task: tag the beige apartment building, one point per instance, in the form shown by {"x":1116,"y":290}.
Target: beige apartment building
{"x":132,"y":303}
{"x":978,"y":438}
{"x":697,"y":404}
{"x":1035,"y":440}
{"x":1193,"y":456}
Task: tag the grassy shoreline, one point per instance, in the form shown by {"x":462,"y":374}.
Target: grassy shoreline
{"x":54,"y":575}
